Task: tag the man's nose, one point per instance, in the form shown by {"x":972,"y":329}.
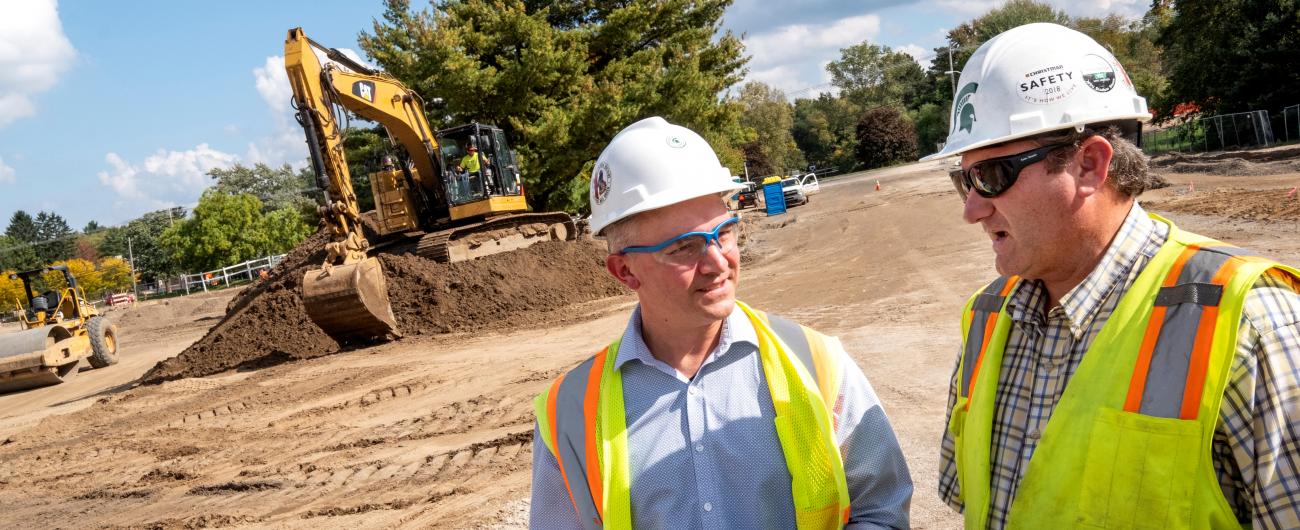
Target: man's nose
{"x":977,"y":208}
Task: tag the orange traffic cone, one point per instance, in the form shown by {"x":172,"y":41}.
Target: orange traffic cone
{"x":1291,"y":193}
{"x":877,"y":185}
{"x":1191,"y":187}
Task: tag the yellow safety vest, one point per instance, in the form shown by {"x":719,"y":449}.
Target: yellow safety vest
{"x":581,"y":420}
{"x":470,"y":163}
{"x":1129,"y":443}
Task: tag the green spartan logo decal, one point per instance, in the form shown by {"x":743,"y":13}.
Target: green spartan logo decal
{"x":963,"y":111}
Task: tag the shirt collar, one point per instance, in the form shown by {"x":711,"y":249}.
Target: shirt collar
{"x":1137,"y":240}
{"x":736,"y":328}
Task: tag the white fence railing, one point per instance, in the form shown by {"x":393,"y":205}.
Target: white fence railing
{"x":247,"y":270}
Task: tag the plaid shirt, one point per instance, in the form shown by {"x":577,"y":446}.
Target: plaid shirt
{"x":1257,"y":441}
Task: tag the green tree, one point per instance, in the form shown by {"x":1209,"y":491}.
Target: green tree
{"x":872,"y":75}
{"x":1231,"y":56}
{"x":885,"y":136}
{"x":140,"y":237}
{"x":282,"y":230}
{"x":931,"y":123}
{"x":56,"y":238}
{"x":16,"y":254}
{"x":228,"y":229}
{"x":561,"y":78}
{"x":825,"y":129}
{"x":277,"y":188}
{"x":22,"y":227}
{"x":364,"y":148}
{"x":225,"y":229}
{"x":1133,"y":42}
{"x":92,"y":226}
{"x":771,"y":117}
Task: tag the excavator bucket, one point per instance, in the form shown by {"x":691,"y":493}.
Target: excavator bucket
{"x":23,"y":361}
{"x":350,"y":302}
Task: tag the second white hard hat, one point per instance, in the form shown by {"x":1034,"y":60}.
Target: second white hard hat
{"x":652,"y":164}
{"x":1033,"y":79}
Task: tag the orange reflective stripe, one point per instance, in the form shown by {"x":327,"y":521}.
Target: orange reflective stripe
{"x":1201,"y":348}
{"x":989,"y":325}
{"x":555,"y":441}
{"x":1138,"y":383}
{"x":590,"y":403}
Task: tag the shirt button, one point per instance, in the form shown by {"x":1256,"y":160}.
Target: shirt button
{"x":694,"y":391}
{"x":708,"y":506}
{"x":699,"y":448}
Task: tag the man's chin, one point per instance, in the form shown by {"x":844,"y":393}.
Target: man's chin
{"x":719,"y":308}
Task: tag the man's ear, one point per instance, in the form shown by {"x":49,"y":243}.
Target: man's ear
{"x":616,"y":264}
{"x":1093,"y":159}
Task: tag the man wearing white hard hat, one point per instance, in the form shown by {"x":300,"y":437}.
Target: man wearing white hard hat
{"x":705,"y":412}
{"x":1121,"y":373}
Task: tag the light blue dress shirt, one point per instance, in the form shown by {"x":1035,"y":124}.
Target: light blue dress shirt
{"x":704,"y":452}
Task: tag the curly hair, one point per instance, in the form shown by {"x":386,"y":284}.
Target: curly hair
{"x":1129,"y":172}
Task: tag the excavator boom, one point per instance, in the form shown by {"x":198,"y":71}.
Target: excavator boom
{"x":347,"y":295}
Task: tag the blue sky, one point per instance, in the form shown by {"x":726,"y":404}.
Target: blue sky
{"x":112,"y":109}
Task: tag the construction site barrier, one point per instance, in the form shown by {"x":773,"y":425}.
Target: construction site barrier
{"x":246,"y":271}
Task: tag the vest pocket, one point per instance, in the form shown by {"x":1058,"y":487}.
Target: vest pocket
{"x":1139,"y":472}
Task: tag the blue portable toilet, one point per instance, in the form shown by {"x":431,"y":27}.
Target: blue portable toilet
{"x":774,"y":197}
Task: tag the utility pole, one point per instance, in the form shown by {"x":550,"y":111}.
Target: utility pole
{"x":952,"y":74}
{"x":130,"y":251}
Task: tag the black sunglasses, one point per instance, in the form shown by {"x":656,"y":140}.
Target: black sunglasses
{"x":991,"y":177}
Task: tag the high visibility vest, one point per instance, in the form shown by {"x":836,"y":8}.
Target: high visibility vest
{"x":470,"y":163}
{"x":582,"y":422}
{"x":1129,"y":443}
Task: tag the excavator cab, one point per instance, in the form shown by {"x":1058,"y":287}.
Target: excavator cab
{"x":492,"y":190}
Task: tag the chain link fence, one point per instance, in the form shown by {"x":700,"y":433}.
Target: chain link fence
{"x":1239,"y":130}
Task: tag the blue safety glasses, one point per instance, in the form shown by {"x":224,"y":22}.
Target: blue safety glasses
{"x":686,"y":249}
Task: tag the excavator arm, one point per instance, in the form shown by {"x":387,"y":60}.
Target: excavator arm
{"x":347,"y":297}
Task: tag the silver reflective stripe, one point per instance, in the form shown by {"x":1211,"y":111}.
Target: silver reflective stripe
{"x":1171,"y":358}
{"x":571,"y":439}
{"x":792,"y":335}
{"x":986,"y":303}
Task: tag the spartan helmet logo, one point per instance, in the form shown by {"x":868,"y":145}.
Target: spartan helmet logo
{"x":963,"y":110}
{"x":600,"y":183}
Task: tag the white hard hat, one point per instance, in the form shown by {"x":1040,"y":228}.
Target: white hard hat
{"x":1037,"y":78}
{"x":652,"y":164}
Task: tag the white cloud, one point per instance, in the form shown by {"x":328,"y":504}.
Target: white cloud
{"x":793,"y":58}
{"x":164,"y":178}
{"x":922,"y":55}
{"x":169,"y":177}
{"x":6,"y":173}
{"x":34,"y":52}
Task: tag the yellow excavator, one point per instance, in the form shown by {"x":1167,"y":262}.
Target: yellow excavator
{"x":448,"y":195}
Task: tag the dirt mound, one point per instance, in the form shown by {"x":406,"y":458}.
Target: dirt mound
{"x":1234,"y":163}
{"x":267,"y":323}
{"x":157,"y":314}
{"x":1234,"y":203}
{"x":503,"y":291}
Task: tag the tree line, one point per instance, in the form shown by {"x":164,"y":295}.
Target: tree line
{"x":247,"y":213}
{"x":562,"y":77}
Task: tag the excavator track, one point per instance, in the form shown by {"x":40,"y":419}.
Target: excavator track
{"x":505,"y":233}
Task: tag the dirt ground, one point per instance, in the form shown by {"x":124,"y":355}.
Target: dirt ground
{"x":434,"y":430}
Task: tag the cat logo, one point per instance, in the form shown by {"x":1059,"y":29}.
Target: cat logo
{"x":364,"y":90}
